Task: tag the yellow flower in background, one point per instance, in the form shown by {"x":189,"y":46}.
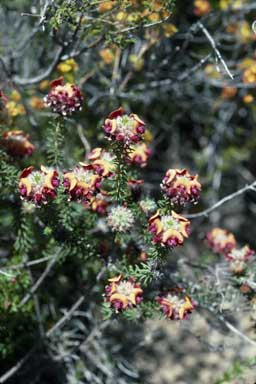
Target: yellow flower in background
{"x":107,"y":55}
{"x":121,"y":16}
{"x":148,"y":137}
{"x":44,"y":85}
{"x":69,"y":65}
{"x":36,"y":102}
{"x":246,"y":33}
{"x":169,"y":29}
{"x":14,"y":109}
{"x":246,"y":63}
{"x":249,"y":76}
{"x":224,"y":4}
{"x":106,"y":6}
{"x":242,"y":31}
{"x":211,"y":71}
{"x":133,"y":17}
{"x":228,"y":92}
{"x":154,"y":17}
{"x":15,"y":95}
{"x":202,"y":7}
{"x":248,"y":99}
{"x":136,"y":61}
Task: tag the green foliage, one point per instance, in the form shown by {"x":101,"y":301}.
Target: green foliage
{"x":120,"y":190}
{"x":54,"y":142}
{"x":141,"y":272}
{"x":66,"y":12}
{"x":237,"y":371}
{"x":8,"y":174}
{"x":24,"y":239}
{"x":13,"y":286}
{"x":106,"y":310}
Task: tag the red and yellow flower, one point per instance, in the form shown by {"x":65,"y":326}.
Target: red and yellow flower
{"x":103,"y":162}
{"x":181,"y":187}
{"x":38,"y":186}
{"x":124,"y":128}
{"x":175,"y":306}
{"x":238,"y":258}
{"x":17,"y":143}
{"x":123,"y":294}
{"x":64,"y":98}
{"x":99,"y":203}
{"x":139,"y":154}
{"x":82,"y":183}
{"x":221,"y":240}
{"x":169,"y":230}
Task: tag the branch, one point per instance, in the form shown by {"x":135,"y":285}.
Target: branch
{"x":66,"y":317}
{"x":7,"y":375}
{"x":40,"y":280}
{"x":37,"y":79}
{"x":232,"y":328}
{"x":85,"y":142}
{"x":250,"y":187}
{"x":215,"y":49}
{"x":150,"y":25}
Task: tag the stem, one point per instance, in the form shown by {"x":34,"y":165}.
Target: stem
{"x":121,"y":153}
{"x":55,"y":142}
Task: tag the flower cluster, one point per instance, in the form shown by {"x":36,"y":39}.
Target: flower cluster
{"x":103,"y":162}
{"x":38,"y":186}
{"x":124,"y":128}
{"x":82,"y":183}
{"x":175,"y":306}
{"x":139,"y":154}
{"x":64,"y":98}
{"x":148,"y":206}
{"x":169,"y":230}
{"x":120,"y":218}
{"x":220,"y":240}
{"x":238,"y":258}
{"x":123,"y":294}
{"x":181,"y":187}
{"x":17,"y":143}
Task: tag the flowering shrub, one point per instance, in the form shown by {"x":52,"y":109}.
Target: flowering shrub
{"x":145,"y":212}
